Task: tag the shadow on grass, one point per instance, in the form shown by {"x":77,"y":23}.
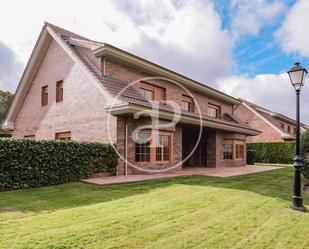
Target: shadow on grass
{"x":275,"y":184}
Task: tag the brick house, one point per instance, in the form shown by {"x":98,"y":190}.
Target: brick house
{"x":68,"y":91}
{"x":275,"y":127}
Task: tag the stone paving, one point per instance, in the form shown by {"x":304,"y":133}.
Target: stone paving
{"x":192,"y":171}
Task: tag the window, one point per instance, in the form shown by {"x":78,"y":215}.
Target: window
{"x":289,"y":129}
{"x":147,"y":94}
{"x":153,"y":146}
{"x":233,"y":149}
{"x":282,"y":126}
{"x":31,"y":137}
{"x":44,"y":95}
{"x":214,"y":111}
{"x":152,"y":92}
{"x":142,"y":148}
{"x":59,"y":91}
{"x":63,"y":135}
{"x":239,"y":151}
{"x":187,"y":104}
{"x":227,"y":151}
{"x":162,"y":147}
{"x":294,"y":130}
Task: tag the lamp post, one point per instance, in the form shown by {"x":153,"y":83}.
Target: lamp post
{"x":297,"y":76}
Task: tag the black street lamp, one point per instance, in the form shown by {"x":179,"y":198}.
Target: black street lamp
{"x":297,"y":76}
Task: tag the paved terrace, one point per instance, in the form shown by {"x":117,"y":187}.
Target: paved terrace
{"x":214,"y":172}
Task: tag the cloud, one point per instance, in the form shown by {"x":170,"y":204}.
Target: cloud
{"x":10,"y":68}
{"x":272,"y":91}
{"x":294,"y":32}
{"x":249,"y":16}
{"x":184,"y":36}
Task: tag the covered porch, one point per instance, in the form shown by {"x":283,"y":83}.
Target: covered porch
{"x":212,"y":147}
{"x":175,"y":145}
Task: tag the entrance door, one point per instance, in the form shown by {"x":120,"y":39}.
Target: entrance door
{"x":199,"y":156}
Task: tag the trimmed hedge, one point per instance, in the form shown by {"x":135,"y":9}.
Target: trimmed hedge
{"x":279,"y":152}
{"x":5,"y":135}
{"x":304,"y":148}
{"x":26,"y":163}
{"x":250,"y":157}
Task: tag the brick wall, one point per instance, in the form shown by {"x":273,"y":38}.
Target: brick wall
{"x":269,"y":134}
{"x":81,"y":112}
{"x":173,"y":92}
{"x":132,"y":125}
{"x":215,"y":150}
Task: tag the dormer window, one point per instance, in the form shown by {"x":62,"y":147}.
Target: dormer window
{"x":214,"y":111}
{"x":147,"y":94}
{"x":152,"y":92}
{"x":187,"y":103}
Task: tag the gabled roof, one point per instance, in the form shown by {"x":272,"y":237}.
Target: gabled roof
{"x":81,"y":50}
{"x":272,"y":118}
{"x":100,"y":49}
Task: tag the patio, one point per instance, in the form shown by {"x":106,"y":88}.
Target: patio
{"x":222,"y":172}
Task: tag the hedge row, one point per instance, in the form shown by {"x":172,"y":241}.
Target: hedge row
{"x":304,"y":146}
{"x":280,"y":152}
{"x":26,"y":163}
{"x":5,"y":135}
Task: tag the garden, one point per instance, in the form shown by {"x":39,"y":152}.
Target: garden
{"x":250,"y":211}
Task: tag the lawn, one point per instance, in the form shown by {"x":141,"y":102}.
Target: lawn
{"x":186,"y":212}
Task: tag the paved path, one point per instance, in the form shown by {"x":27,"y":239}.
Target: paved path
{"x":215,"y":172}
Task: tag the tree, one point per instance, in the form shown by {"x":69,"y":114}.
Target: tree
{"x":5,"y":101}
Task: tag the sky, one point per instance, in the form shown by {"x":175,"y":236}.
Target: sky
{"x":240,"y":47}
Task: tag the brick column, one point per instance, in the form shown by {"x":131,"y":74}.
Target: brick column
{"x":211,"y":150}
{"x":121,"y":128}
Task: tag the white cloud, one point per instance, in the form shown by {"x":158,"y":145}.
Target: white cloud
{"x":10,"y":68}
{"x":98,"y":20}
{"x":186,"y":37}
{"x":249,"y":16}
{"x":272,"y":91}
{"x":294,"y":33}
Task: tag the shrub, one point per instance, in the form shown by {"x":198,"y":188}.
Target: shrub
{"x":26,"y":163}
{"x":5,"y":135}
{"x":304,"y":148}
{"x":250,"y":157}
{"x":277,"y":152}
{"x":304,"y":143}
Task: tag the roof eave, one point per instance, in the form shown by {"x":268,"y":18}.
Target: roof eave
{"x":36,"y":56}
{"x":290,"y":120}
{"x":186,"y":119}
{"x":125,"y":57}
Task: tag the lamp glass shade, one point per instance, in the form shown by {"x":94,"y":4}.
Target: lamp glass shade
{"x":297,"y":76}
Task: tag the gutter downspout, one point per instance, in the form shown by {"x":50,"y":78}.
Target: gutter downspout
{"x":126,"y":147}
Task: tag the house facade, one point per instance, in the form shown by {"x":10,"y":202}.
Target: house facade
{"x":74,"y":88}
{"x":275,"y":127}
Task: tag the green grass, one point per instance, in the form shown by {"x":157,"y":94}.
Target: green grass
{"x":274,"y":164}
{"x":250,"y":211}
